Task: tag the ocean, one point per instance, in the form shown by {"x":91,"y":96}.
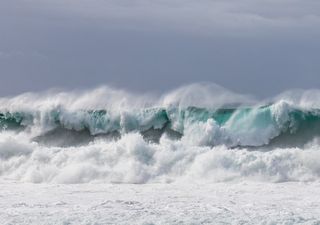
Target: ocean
{"x":199,"y":154}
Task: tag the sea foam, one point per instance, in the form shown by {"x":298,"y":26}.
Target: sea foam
{"x":201,"y":132}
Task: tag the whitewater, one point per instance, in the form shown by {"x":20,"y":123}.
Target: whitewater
{"x":199,"y":154}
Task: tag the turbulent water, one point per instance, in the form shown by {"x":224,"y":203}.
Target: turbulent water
{"x":202,"y":132}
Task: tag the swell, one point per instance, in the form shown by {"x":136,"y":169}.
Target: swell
{"x":280,"y":125}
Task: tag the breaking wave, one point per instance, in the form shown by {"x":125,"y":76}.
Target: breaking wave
{"x":200,"y":131}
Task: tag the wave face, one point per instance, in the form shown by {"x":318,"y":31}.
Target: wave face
{"x":200,"y":132}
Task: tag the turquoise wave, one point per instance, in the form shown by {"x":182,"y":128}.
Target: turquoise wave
{"x":242,"y":126}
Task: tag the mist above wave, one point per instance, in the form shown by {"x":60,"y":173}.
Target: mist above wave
{"x":207,"y":95}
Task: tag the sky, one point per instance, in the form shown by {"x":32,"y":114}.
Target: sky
{"x":259,"y":47}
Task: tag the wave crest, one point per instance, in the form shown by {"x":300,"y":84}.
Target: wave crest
{"x":198,"y":126}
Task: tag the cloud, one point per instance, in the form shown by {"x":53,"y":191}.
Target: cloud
{"x":257,"y":46}
{"x":196,"y":16}
{"x":14,"y":55}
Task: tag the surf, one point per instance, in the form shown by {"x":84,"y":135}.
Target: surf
{"x":192,"y":133}
{"x":275,"y":123}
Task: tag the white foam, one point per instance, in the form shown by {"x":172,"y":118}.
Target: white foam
{"x":133,"y":160}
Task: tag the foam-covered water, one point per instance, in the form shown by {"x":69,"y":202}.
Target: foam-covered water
{"x":200,"y":131}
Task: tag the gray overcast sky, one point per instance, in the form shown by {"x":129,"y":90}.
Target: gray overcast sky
{"x":260,"y":47}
